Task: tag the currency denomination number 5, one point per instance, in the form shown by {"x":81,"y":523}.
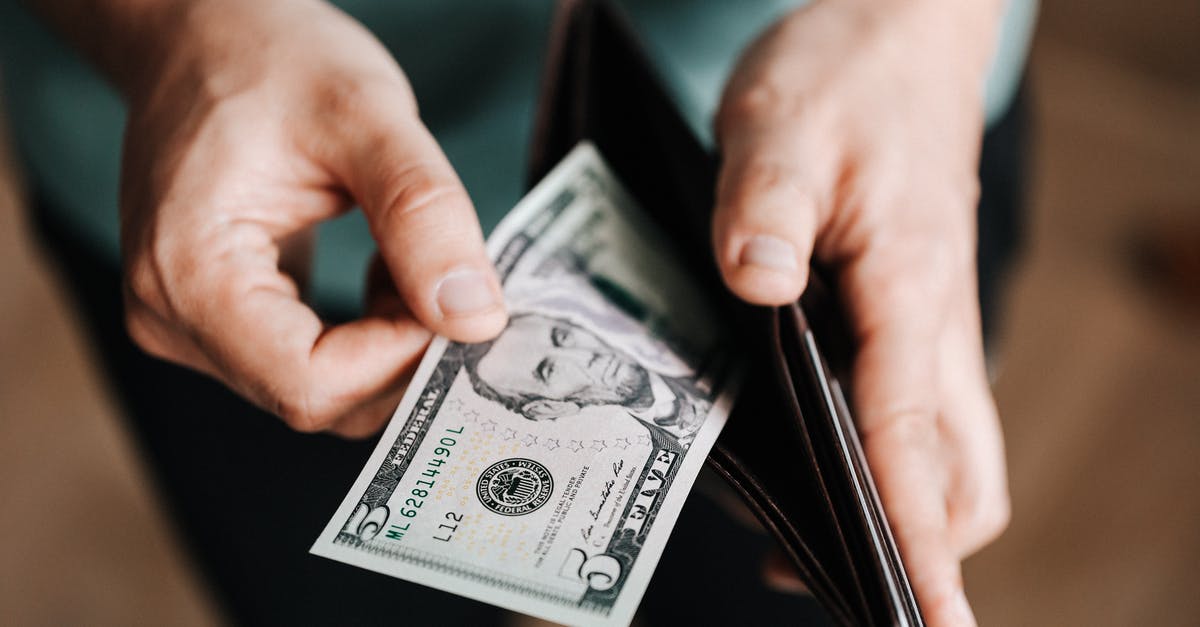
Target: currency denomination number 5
{"x":600,"y":572}
{"x":366,"y":522}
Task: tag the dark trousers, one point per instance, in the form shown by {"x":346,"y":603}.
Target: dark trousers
{"x":249,"y":496}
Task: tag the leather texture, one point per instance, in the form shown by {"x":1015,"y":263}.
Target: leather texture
{"x":789,"y":448}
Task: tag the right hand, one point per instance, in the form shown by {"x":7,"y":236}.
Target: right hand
{"x":254,"y":122}
{"x":884,"y":191}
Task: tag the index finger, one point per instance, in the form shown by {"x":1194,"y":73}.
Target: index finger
{"x":897,"y":306}
{"x":421,"y":217}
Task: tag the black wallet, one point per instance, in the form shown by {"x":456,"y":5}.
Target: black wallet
{"x":790,"y":448}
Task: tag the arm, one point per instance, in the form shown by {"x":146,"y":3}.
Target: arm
{"x":250,"y":122}
{"x":122,"y":38}
{"x":851,"y":132}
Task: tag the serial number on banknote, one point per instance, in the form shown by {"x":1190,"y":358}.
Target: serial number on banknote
{"x":542,"y":471}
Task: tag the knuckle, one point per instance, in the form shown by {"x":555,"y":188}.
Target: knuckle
{"x":929,"y":224}
{"x":359,"y":425}
{"x":769,"y":176}
{"x":304,"y":412}
{"x":765,"y":194}
{"x":141,"y":332}
{"x":938,"y":584}
{"x":340,"y":99}
{"x":416,"y":190}
{"x":904,"y":293}
{"x":140,"y":291}
{"x":942,"y":595}
{"x":162,"y":274}
{"x":358,"y":98}
{"x":979,"y":518}
{"x":990,"y":518}
{"x":917,"y":269}
{"x":998,"y":519}
{"x":913,"y":425}
{"x":764,"y":101}
{"x":142,"y":283}
{"x":218,"y":291}
{"x":309,"y":405}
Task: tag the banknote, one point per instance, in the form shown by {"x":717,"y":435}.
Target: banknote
{"x":543,"y":471}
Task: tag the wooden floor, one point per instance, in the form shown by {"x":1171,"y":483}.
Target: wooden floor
{"x":1099,"y":376}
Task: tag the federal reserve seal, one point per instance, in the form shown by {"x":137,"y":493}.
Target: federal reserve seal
{"x":514,"y":487}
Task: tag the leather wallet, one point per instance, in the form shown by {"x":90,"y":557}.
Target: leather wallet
{"x":790,"y":448}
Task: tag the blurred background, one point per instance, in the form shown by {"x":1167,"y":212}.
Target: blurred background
{"x":1099,"y":371}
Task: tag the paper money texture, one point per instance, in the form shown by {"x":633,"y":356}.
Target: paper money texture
{"x":543,"y":471}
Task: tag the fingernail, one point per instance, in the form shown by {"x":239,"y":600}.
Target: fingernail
{"x":769,"y":252}
{"x":465,"y":292}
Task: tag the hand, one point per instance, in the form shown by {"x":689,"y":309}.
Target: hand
{"x":256,"y":121}
{"x":851,"y":131}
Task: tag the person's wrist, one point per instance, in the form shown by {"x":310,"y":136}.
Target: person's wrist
{"x":148,"y":43}
{"x":122,"y":38}
{"x":187,"y":41}
{"x":151,"y":40}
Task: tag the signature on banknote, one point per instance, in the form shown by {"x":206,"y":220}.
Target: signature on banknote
{"x":542,"y":471}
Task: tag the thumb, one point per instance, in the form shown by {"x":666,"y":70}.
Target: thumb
{"x":426,"y":228}
{"x":766,"y":217}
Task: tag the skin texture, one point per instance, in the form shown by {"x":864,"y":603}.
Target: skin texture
{"x":262,"y":120}
{"x":850,"y":132}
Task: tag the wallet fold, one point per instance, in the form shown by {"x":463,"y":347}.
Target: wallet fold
{"x":789,"y":448}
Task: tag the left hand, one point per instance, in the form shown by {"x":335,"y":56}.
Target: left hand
{"x":851,"y":131}
{"x":249,"y":124}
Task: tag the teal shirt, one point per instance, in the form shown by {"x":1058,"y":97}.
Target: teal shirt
{"x":67,"y":122}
